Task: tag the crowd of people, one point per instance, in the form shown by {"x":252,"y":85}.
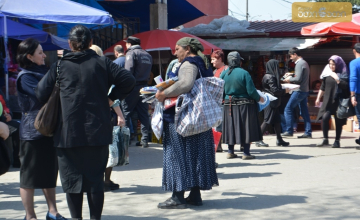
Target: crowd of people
{"x":97,"y":93}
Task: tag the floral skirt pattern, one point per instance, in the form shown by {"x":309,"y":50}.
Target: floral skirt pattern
{"x":188,"y":161}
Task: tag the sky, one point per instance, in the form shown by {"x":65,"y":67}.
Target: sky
{"x":262,"y":9}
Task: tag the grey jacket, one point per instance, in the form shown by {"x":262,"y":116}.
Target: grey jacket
{"x":139,"y":63}
{"x":301,"y":77}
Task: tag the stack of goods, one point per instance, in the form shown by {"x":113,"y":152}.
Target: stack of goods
{"x":148,"y":93}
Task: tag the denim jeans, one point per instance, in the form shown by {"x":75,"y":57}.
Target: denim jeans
{"x":297,"y":98}
{"x":357,"y":107}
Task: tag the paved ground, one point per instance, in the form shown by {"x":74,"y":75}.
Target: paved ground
{"x":297,"y":182}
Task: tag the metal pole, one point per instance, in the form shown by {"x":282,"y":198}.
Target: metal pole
{"x":247,"y":10}
{"x":159,"y":63}
{"x":6,"y":59}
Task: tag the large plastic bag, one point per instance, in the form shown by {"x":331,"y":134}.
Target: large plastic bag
{"x":124,"y":147}
{"x":267,"y":97}
{"x":113,"y":148}
{"x":118,"y":150}
{"x":157,"y":120}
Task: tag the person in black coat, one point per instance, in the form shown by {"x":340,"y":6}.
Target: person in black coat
{"x":271,"y":84}
{"x":84,"y":129}
{"x":335,"y":85}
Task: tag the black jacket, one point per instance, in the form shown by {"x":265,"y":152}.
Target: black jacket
{"x":270,"y":85}
{"x":139,"y":63}
{"x":85,"y":79}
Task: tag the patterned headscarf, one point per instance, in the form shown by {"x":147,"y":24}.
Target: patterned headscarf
{"x":195,"y":45}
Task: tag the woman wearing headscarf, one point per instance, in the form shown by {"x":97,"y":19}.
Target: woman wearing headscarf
{"x":39,"y":165}
{"x":84,"y":130}
{"x":335,"y":85}
{"x":271,"y":84}
{"x":189,"y":162}
{"x":240,"y":116}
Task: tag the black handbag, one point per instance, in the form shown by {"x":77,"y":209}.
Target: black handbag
{"x":345,"y":109}
{"x":47,"y":117}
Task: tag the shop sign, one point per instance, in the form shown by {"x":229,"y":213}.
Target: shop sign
{"x":321,"y":12}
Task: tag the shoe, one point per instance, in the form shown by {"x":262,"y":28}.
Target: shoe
{"x":336,"y":144}
{"x":248,"y":157}
{"x":172,"y":203}
{"x":111,"y":186}
{"x":49,"y":216}
{"x":261,"y":144}
{"x":305,"y":136}
{"x":323,"y":143}
{"x":195,"y":203}
{"x":231,"y":156}
{"x":357,"y":141}
{"x":142,"y":144}
{"x":286,"y":134}
{"x":282,"y":143}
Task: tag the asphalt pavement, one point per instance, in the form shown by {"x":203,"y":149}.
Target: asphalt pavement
{"x":301,"y":181}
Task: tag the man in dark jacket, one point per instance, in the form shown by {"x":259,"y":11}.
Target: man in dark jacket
{"x":139,"y":63}
{"x":120,"y":56}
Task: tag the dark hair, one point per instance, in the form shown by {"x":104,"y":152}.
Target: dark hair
{"x":314,"y":83}
{"x":80,"y":37}
{"x":119,"y":49}
{"x":294,"y":50}
{"x":26,"y":47}
{"x":357,"y":47}
{"x":218,"y":54}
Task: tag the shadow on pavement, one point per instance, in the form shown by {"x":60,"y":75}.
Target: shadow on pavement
{"x":283,"y":156}
{"x":140,"y":189}
{"x":244,"y":164}
{"x":125,"y":217}
{"x":251,"y":201}
{"x":245,"y":175}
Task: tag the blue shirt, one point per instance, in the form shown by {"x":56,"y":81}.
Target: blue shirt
{"x":120,"y":61}
{"x":355,"y":76}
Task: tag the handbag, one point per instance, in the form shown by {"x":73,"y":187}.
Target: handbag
{"x":200,"y":109}
{"x":47,"y":117}
{"x":345,"y":109}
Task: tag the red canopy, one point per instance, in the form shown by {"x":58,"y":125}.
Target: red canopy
{"x":333,"y":28}
{"x":156,"y":40}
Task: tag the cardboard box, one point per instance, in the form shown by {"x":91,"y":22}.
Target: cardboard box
{"x":349,"y":125}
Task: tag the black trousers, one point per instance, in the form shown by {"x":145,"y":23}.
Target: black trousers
{"x":134,"y":103}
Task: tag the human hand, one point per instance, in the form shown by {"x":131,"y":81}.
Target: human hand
{"x":317,"y":102}
{"x":353,"y":101}
{"x":121,"y":121}
{"x":8,"y":117}
{"x":261,"y":99}
{"x":287,"y":90}
{"x":160,"y":96}
{"x":286,"y":80}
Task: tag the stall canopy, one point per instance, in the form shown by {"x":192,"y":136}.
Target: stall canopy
{"x":53,"y":11}
{"x":333,"y":28}
{"x":179,"y":11}
{"x":20,"y":31}
{"x":264,"y":44}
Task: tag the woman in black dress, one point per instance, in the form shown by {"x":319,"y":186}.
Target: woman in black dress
{"x":335,"y":85}
{"x":84,"y":130}
{"x":271,"y":84}
{"x":39,"y":168}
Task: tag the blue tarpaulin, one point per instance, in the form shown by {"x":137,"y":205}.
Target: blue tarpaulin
{"x":179,"y":11}
{"x":53,"y":11}
{"x":20,"y":31}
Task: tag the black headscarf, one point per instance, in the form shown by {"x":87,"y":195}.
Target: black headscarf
{"x":272,"y":68}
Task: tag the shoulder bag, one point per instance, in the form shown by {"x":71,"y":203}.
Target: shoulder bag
{"x":47,"y":117}
{"x":345,"y":109}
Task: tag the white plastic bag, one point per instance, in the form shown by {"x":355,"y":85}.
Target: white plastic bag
{"x":267,"y":97}
{"x":157,"y":120}
{"x":113,"y":148}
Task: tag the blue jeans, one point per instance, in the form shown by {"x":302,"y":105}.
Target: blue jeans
{"x":357,"y":107}
{"x":297,"y":98}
